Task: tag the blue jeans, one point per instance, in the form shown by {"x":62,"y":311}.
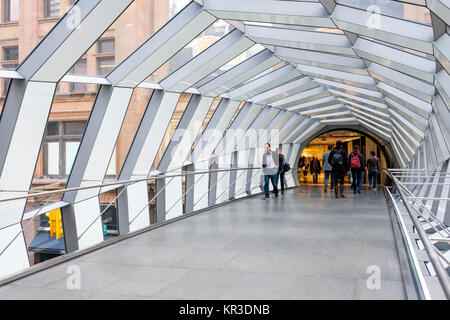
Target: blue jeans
{"x":361,"y":181}
{"x":373,"y":175}
{"x":274,"y":178}
{"x":327,"y":176}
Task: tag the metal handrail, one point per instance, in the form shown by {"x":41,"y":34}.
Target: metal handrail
{"x":116,"y":183}
{"x":441,"y":273}
{"x":418,"y":279}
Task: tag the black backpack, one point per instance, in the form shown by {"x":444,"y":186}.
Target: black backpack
{"x":337,"y":160}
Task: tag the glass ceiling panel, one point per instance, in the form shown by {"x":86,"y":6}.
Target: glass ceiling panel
{"x":267,"y":71}
{"x":294,"y":27}
{"x":394,"y":9}
{"x":210,"y":36}
{"x":133,"y":27}
{"x":239,"y":59}
{"x":415,"y":52}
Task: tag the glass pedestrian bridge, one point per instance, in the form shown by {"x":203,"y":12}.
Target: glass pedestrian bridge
{"x":166,"y":202}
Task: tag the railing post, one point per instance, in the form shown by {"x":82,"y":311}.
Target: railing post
{"x":160,"y":200}
{"x":189,"y":187}
{"x":212,"y":193}
{"x":429,"y":247}
{"x":233,"y":175}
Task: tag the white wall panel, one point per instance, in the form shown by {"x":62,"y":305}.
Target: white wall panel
{"x":173,"y":194}
{"x":138,"y":211}
{"x":88,"y":222}
{"x":156,"y":133}
{"x":15,"y":257}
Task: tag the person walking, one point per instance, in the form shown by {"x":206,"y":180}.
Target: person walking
{"x":327,"y":168}
{"x":339,"y":163}
{"x":315,"y":168}
{"x":356,"y":164}
{"x":305,"y":171}
{"x":270,"y":164}
{"x":281,"y":169}
{"x":373,"y":166}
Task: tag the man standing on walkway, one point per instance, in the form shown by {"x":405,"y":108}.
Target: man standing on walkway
{"x":373,"y":166}
{"x":281,"y":172}
{"x":356,"y":164}
{"x":315,"y":168}
{"x":327,"y":168}
{"x":339,"y":162}
{"x":270,"y":170}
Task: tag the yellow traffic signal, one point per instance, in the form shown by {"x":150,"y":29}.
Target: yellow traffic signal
{"x":55,"y":221}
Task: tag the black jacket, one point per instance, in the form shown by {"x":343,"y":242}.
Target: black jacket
{"x":314,"y":166}
{"x":282,"y":162}
{"x":339,"y":169}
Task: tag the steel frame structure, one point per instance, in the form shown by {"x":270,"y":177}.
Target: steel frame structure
{"x":323,"y":66}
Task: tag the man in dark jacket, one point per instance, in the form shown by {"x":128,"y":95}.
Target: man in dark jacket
{"x":315,"y":168}
{"x":281,"y":172}
{"x":339,"y":162}
{"x":356,"y":165}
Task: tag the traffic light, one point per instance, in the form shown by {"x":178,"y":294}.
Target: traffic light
{"x":55,"y":221}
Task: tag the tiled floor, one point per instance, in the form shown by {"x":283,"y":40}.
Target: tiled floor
{"x":303,"y":245}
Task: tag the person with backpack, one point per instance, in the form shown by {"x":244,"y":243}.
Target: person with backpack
{"x":282,"y":169}
{"x":315,"y":168}
{"x":327,"y":168}
{"x":373,"y":166}
{"x":339,"y":163}
{"x":356,"y":164}
{"x":270,"y":170}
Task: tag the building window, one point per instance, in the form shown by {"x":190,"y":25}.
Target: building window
{"x":105,"y":65}
{"x":80,"y":68}
{"x":61,"y":143}
{"x":106,"y":46}
{"x":10,"y":10}
{"x":51,"y":8}
{"x":106,"y":60}
{"x":11,"y":53}
{"x":10,"y":57}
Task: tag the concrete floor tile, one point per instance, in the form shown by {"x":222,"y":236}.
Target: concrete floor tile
{"x":304,"y":245}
